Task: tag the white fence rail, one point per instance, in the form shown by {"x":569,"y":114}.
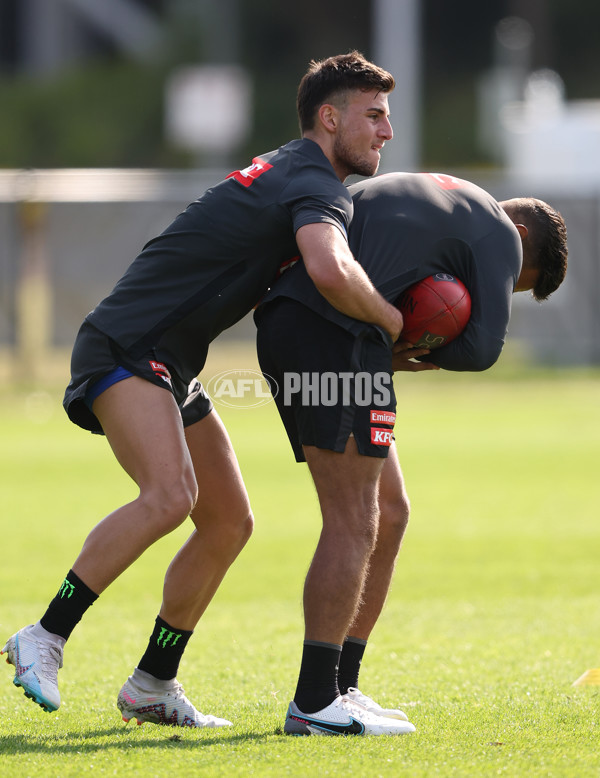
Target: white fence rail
{"x":67,"y":235}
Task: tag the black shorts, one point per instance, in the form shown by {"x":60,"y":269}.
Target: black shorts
{"x":95,"y":355}
{"x":328,"y":383}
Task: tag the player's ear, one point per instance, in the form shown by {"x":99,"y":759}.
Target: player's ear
{"x":328,"y":116}
{"x":523,"y":231}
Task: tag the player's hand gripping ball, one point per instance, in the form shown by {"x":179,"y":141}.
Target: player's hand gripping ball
{"x":435,"y":310}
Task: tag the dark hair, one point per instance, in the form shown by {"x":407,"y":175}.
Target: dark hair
{"x":336,"y":75}
{"x":545,"y":247}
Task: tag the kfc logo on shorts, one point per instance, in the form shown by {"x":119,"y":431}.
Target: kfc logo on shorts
{"x":161,"y":370}
{"x":381,"y":437}
{"x":383,"y":417}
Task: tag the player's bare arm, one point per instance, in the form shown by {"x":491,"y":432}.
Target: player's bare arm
{"x":341,"y":280}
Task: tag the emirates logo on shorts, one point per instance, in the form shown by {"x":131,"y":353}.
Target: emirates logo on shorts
{"x":161,"y":370}
{"x":383,"y":417}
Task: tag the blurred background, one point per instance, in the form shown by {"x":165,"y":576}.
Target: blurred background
{"x":116,"y":114}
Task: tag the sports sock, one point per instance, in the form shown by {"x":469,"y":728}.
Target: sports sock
{"x":317,"y":683}
{"x":69,"y":605}
{"x":352,"y":654}
{"x":165,"y":649}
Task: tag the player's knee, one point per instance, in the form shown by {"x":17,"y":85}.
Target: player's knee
{"x":247,"y":528}
{"x":169,"y":505}
{"x":233,"y":530}
{"x":183,"y":504}
{"x":236,"y":532}
{"x":242,"y":532}
{"x":395,"y":514}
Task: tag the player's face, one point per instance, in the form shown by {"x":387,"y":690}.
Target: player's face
{"x":364,"y":128}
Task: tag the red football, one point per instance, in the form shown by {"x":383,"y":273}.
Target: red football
{"x":435,"y":310}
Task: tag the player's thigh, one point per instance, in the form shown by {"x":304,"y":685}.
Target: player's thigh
{"x":221,"y":489}
{"x":346,"y":482}
{"x":142,"y":424}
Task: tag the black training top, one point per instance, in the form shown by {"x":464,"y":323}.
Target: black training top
{"x":407,"y":226}
{"x":216,"y":260}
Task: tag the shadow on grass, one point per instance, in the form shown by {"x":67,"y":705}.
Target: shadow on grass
{"x":120,"y":739}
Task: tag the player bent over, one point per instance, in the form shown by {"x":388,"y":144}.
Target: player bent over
{"x":337,"y":403}
{"x":139,"y":351}
{"x":405,"y":227}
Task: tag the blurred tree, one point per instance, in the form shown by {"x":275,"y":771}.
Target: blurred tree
{"x":106,"y":110}
{"x":102,"y":115}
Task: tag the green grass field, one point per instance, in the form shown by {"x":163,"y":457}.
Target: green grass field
{"x":494,"y":611}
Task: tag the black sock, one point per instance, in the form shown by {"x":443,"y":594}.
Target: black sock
{"x":352,"y":654}
{"x":317,"y":682}
{"x":69,"y":605}
{"x":165,"y":649}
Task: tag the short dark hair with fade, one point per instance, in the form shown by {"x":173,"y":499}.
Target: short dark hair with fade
{"x":546,"y":243}
{"x":334,"y":76}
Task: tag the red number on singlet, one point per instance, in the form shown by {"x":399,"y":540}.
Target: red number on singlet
{"x":250,"y":174}
{"x":446,"y":182}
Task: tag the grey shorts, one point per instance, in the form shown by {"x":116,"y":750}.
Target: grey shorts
{"x":95,"y":356}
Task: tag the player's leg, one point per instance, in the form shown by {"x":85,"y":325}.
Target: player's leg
{"x":156,"y":457}
{"x":143,"y":425}
{"x":346,"y":486}
{"x":394,"y":509}
{"x":394,"y":512}
{"x":223,"y":521}
{"x":293,"y":341}
{"x":223,"y":525}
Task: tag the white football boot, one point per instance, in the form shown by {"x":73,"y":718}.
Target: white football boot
{"x":37,"y":660}
{"x":342,"y":717}
{"x":146,"y":698}
{"x":366,"y":703}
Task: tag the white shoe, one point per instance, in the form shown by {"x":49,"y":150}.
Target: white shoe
{"x":37,"y":662}
{"x":366,"y":703}
{"x":342,"y":717}
{"x":146,"y":698}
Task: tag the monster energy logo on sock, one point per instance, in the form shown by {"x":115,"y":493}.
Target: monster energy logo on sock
{"x":66,"y":589}
{"x":167,"y":638}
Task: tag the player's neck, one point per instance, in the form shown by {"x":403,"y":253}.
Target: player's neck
{"x":325,"y":143}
